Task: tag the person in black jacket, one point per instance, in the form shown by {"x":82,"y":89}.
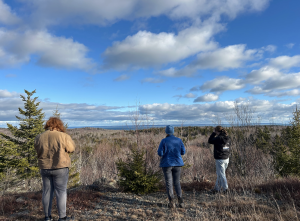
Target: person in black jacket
{"x":221,"y":141}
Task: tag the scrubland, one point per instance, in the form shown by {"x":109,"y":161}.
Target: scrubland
{"x":257,"y":192}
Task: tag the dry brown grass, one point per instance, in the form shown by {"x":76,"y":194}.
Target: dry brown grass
{"x":32,"y":202}
{"x":98,"y":150}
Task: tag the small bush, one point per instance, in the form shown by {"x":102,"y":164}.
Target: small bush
{"x":134,"y":176}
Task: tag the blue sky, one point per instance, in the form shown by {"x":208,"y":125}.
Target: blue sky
{"x":176,"y":60}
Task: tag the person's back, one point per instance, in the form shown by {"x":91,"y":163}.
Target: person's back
{"x":170,"y":149}
{"x":52,"y":148}
{"x":221,"y":141}
{"x":221,"y":145}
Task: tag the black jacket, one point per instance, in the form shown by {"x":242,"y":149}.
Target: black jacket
{"x":221,"y":145}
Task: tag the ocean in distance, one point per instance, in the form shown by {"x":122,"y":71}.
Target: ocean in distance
{"x":132,"y":127}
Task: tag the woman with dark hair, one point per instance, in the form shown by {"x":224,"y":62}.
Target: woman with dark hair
{"x":53,"y":147}
{"x":221,"y":141}
{"x":170,"y":150}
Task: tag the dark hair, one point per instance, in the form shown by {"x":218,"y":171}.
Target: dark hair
{"x":55,"y":123}
{"x":221,"y":130}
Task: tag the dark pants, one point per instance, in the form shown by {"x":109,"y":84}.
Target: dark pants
{"x":172,"y":176}
{"x":55,"y":180}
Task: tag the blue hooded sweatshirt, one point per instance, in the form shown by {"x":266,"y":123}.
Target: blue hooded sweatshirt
{"x":170,"y":150}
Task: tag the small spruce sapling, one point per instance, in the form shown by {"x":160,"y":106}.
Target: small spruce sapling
{"x":133,"y":175}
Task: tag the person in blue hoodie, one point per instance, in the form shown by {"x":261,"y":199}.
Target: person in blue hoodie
{"x":170,"y":150}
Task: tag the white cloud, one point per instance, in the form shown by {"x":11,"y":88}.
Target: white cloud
{"x":230,"y":8}
{"x":269,"y":48}
{"x":152,"y":80}
{"x":103,"y":12}
{"x":17,"y":48}
{"x":6,"y":93}
{"x":206,"y":112}
{"x":9,"y":104}
{"x":221,"y":84}
{"x":285,"y":62}
{"x":141,"y":50}
{"x":172,"y":72}
{"x":146,"y":49}
{"x":122,"y":77}
{"x":257,"y":90}
{"x":190,"y":95}
{"x":195,"y":88}
{"x":273,"y":86}
{"x":232,"y":56}
{"x":285,"y":81}
{"x":264,"y":73}
{"x":293,"y":93}
{"x":290,"y":45}
{"x":207,"y":98}
{"x":270,"y":79}
{"x":175,"y":112}
{"x":7,"y":17}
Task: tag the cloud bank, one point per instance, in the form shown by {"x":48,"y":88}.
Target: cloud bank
{"x":87,"y":114}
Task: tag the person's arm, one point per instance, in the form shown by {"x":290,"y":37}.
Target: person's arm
{"x":161,"y":148}
{"x":213,"y":139}
{"x":183,"y":151}
{"x":70,"y":145}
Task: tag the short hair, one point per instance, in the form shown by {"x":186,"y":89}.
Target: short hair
{"x":55,"y":123}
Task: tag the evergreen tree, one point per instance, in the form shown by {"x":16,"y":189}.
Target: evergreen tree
{"x":8,"y":156}
{"x":282,"y":161}
{"x":57,"y":114}
{"x":22,"y":139}
{"x":286,"y":149}
{"x":294,"y":143}
{"x":134,"y":176}
{"x":263,"y":139}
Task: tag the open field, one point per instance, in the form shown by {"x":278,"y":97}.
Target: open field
{"x":257,"y":193}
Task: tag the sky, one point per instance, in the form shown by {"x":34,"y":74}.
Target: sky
{"x":174,"y":61}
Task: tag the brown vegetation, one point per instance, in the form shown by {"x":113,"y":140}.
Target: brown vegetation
{"x":257,"y":193}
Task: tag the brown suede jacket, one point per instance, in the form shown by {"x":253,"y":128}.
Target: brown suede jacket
{"x":53,"y":148}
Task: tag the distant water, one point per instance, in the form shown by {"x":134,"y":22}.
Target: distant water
{"x":122,"y":127}
{"x":132,"y":127}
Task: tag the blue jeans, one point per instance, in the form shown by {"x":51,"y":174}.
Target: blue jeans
{"x":221,"y":166}
{"x":172,"y":176}
{"x":55,"y":180}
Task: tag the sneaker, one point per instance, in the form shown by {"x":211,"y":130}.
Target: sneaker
{"x":213,"y":191}
{"x":180,"y":202}
{"x":66,"y":218}
{"x":48,"y":218}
